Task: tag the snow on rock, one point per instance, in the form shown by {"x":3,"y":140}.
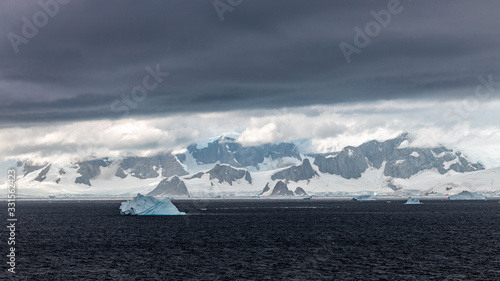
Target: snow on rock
{"x":483,"y":181}
{"x":404,"y":144}
{"x":149,"y":206}
{"x":448,"y":164}
{"x":415,"y":154}
{"x":266,"y":190}
{"x":466,"y":195}
{"x":269,"y":164}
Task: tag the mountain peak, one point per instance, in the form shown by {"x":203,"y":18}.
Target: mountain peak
{"x":228,"y":151}
{"x":281,"y":189}
{"x":401,"y":160}
{"x":170,"y":187}
{"x":226,"y":173}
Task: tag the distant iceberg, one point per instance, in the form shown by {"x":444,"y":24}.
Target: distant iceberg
{"x":149,"y":206}
{"x":467,"y":195}
{"x":363,"y":198}
{"x":413,"y":201}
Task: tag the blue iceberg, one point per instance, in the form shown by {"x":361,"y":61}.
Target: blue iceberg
{"x":467,"y":195}
{"x":363,"y":198}
{"x":412,"y":201}
{"x":149,"y":206}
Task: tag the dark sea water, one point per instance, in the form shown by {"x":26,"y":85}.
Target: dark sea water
{"x":258,"y":240}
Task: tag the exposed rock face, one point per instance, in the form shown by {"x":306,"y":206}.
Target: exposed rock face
{"x":401,"y":162}
{"x":146,"y":167}
{"x":43,"y":174}
{"x":296,"y":173}
{"x":172,"y":187}
{"x":181,"y":157}
{"x":266,"y":189}
{"x":30,"y":167}
{"x":349,"y":163}
{"x":226,"y":173}
{"x":171,"y":166}
{"x":196,"y":176}
{"x":281,"y":189}
{"x":120,"y":173}
{"x":248,"y":177}
{"x":407,"y":162}
{"x":90,"y":169}
{"x":227,"y":151}
{"x":140,"y":167}
{"x":328,"y":154}
{"x":300,"y":191}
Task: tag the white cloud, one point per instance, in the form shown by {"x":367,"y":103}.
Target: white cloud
{"x":326,"y":128}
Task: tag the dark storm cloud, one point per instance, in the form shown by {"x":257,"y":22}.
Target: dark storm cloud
{"x":264,"y":54}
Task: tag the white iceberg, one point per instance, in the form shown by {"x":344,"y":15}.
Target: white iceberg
{"x":466,"y":195}
{"x":411,"y":201}
{"x":149,"y":206}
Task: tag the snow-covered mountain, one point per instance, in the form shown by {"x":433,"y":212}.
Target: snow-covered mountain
{"x":226,"y":168}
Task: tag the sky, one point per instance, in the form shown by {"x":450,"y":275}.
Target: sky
{"x":110,"y":78}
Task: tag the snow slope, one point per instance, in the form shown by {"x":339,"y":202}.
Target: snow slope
{"x":104,"y":185}
{"x":60,"y":180}
{"x":484,"y":181}
{"x":372,"y":181}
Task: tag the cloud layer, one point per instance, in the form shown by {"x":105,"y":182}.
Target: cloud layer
{"x":315,"y":129}
{"x":263,"y":55}
{"x":107,"y":78}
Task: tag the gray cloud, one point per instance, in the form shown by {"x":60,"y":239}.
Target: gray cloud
{"x":265,"y":54}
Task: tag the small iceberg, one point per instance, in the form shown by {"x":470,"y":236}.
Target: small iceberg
{"x":363,"y":198}
{"x":413,"y":201}
{"x":149,"y":206}
{"x":467,"y":195}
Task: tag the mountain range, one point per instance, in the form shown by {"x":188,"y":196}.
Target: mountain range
{"x":224,"y":167}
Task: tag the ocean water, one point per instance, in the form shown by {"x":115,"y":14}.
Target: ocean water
{"x":258,"y":240}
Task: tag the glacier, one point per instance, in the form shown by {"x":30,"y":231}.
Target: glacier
{"x":149,"y":206}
